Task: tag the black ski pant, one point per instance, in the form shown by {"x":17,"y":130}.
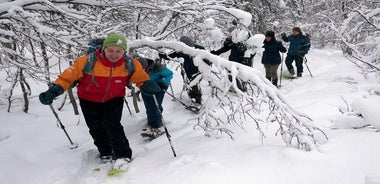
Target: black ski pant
{"x":299,"y":60}
{"x":195,"y":93}
{"x":103,"y":121}
{"x":241,"y":85}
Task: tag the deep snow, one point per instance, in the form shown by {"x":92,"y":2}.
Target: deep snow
{"x":34,"y":150}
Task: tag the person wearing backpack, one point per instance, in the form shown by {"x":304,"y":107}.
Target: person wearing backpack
{"x":271,"y":56}
{"x":298,"y":48}
{"x":190,"y":70}
{"x":162,"y":75}
{"x":101,"y":96}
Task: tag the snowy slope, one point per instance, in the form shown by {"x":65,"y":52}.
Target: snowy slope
{"x":34,"y":150}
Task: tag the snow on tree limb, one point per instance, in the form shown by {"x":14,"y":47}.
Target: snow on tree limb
{"x":260,"y":103}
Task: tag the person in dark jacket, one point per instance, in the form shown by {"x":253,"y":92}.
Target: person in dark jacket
{"x":162,"y":75}
{"x":190,"y":70}
{"x":298,"y":48}
{"x":237,"y":51}
{"x":271,"y":56}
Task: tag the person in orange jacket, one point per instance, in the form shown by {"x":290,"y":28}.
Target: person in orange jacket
{"x":101,"y":95}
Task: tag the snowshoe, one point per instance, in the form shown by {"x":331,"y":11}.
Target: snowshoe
{"x":288,"y":76}
{"x":152,"y":133}
{"x":105,"y":159}
{"x":120,"y":166}
{"x":193,"y":108}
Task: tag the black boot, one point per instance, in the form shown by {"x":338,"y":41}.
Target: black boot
{"x":274,"y":82}
{"x":291,"y":71}
{"x":269,"y":78}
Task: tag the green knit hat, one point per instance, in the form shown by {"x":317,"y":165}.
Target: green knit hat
{"x":115,"y":40}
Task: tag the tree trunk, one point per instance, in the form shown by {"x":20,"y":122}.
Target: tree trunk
{"x":25,"y":91}
{"x":10,"y":93}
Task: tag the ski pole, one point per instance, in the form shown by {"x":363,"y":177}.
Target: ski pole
{"x":282,"y":64}
{"x":171,"y":88}
{"x":73,"y":145}
{"x":163,"y":123}
{"x":126,"y":103}
{"x":307,"y":66}
{"x":170,"y":85}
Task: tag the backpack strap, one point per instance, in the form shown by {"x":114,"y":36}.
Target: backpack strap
{"x":129,"y":67}
{"x":90,"y":65}
{"x":91,"y":61}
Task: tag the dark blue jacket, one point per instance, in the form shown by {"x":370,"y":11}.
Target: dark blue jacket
{"x":299,"y":44}
{"x":188,"y":64}
{"x":271,"y":54}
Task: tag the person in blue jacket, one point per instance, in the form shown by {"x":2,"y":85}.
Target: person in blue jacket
{"x":162,"y":75}
{"x":271,"y":56}
{"x":298,"y":48}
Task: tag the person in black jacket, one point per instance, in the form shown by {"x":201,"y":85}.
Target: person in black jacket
{"x":271,"y":56}
{"x":190,"y":70}
{"x":237,"y":51}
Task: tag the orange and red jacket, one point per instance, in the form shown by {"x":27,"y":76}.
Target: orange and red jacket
{"x":108,"y":81}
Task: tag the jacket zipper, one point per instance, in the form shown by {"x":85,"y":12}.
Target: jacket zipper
{"x":109,"y":83}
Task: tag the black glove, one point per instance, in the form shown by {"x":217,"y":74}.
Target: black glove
{"x":213,"y":52}
{"x":48,"y":96}
{"x":163,"y":86}
{"x":150,"y":87}
{"x":283,"y":34}
{"x":163,"y":56}
{"x":247,"y":61}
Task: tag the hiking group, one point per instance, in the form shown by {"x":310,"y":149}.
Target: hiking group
{"x":299,"y":46}
{"x":101,"y":86}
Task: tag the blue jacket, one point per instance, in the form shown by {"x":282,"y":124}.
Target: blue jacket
{"x":157,"y":71}
{"x":164,"y":76}
{"x":299,"y":44}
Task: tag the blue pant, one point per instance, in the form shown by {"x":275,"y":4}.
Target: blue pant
{"x":153,"y":115}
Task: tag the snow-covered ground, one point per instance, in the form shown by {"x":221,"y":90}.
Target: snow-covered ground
{"x":34,"y":150}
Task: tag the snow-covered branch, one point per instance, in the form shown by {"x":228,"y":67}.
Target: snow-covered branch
{"x":296,"y":129}
{"x":358,"y":34}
